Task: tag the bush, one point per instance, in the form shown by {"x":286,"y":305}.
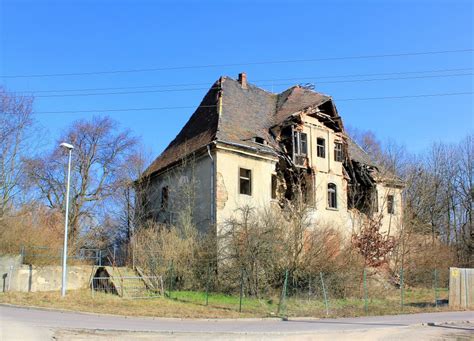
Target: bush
{"x":33,"y":226}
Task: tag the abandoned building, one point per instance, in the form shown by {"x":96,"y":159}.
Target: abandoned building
{"x":247,"y":146}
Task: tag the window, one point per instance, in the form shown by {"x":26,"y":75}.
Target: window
{"x":300,"y":147}
{"x":375,"y":201}
{"x":338,"y":155}
{"x":303,"y":144}
{"x":164,"y":197}
{"x":300,"y":142}
{"x":245,"y":183}
{"x":274,"y":186}
{"x":390,"y":204}
{"x":332,"y":195}
{"x":321,"y":147}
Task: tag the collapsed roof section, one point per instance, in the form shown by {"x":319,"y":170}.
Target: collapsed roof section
{"x":238,"y":113}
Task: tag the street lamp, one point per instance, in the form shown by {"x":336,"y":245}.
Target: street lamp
{"x":69,"y":147}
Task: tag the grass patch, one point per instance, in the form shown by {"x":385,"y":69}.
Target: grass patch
{"x":191,"y":304}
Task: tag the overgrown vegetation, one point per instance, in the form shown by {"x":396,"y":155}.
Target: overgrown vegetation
{"x":192,"y":304}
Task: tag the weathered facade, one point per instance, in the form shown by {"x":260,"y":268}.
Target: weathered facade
{"x":246,"y":146}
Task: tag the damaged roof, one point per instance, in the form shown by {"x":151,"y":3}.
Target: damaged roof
{"x":245,"y":112}
{"x":357,"y":153}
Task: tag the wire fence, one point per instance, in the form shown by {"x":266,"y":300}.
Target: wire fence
{"x":43,"y":255}
{"x":133,"y":287}
{"x":320,"y":293}
{"x":281,"y":293}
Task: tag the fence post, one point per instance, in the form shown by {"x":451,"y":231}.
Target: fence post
{"x":10,"y":274}
{"x":309,"y":288}
{"x":92,"y":287}
{"x":366,"y":303}
{"x":466,"y":289}
{"x":100,"y":257}
{"x":241,"y":289}
{"x":22,"y":253}
{"x":325,"y":294}
{"x":282,"y":304}
{"x":436,"y":287}
{"x":207,"y":282}
{"x":171,"y":279}
{"x":401,"y":289}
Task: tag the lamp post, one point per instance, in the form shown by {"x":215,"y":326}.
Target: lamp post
{"x":69,"y":147}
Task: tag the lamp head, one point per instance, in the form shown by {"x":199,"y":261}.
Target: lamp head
{"x":66,"y":145}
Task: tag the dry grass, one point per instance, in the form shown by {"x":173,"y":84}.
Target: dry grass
{"x":191,"y":305}
{"x":81,"y":300}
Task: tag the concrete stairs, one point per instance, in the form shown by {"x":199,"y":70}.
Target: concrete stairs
{"x":122,"y":281}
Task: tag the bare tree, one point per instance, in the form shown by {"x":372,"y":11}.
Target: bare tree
{"x":463,"y":183}
{"x":15,"y":131}
{"x":129,"y":211}
{"x":438,"y":196}
{"x":100,"y":152}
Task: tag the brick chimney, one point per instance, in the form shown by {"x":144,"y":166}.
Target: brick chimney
{"x":243,"y":80}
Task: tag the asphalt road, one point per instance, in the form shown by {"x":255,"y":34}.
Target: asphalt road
{"x":26,"y":323}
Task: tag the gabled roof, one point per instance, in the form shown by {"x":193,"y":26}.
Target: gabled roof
{"x":295,"y":99}
{"x":244,"y":113}
{"x":199,"y":131}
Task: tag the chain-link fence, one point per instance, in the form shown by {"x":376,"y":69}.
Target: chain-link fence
{"x":248,"y":288}
{"x":317,"y":293}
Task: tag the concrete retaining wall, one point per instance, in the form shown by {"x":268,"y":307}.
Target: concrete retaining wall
{"x":27,"y":278}
{"x":8,"y":267}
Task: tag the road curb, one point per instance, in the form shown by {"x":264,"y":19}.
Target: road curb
{"x":243,"y":319}
{"x":62,"y":310}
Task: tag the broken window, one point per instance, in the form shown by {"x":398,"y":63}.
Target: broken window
{"x":245,"y":181}
{"x":332,"y":195}
{"x":274,"y":186}
{"x":307,"y":186}
{"x":164,"y":197}
{"x":375,"y":201}
{"x":303,"y":144}
{"x":300,"y":143}
{"x":338,"y":154}
{"x":390,"y":204}
{"x":321,"y":147}
{"x":300,"y":147}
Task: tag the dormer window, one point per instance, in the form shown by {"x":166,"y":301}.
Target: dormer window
{"x":260,"y":140}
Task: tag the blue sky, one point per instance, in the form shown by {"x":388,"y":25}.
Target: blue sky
{"x":51,"y":37}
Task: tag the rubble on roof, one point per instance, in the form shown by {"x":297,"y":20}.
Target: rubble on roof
{"x":237,"y":113}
